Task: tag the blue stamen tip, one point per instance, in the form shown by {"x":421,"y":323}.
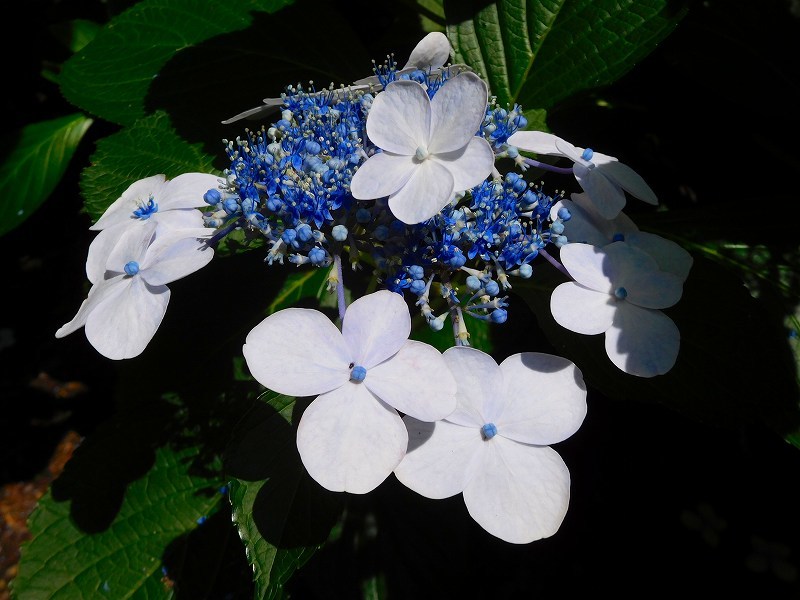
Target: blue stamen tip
{"x":358,"y":373}
{"x":488,"y":431}
{"x":146,"y":211}
{"x":587,"y":154}
{"x":618,"y":237}
{"x":131,"y":268}
{"x":620,"y":293}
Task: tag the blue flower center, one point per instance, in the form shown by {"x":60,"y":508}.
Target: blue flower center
{"x":620,"y":293}
{"x":146,"y":210}
{"x":358,"y":373}
{"x":131,"y":268}
{"x":488,"y":431}
{"x":421,"y":153}
{"x":587,"y":154}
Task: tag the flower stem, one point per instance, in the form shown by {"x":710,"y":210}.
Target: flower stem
{"x":547,"y":167}
{"x":337,"y":259}
{"x":554,"y":262}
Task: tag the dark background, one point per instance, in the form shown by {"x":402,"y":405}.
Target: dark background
{"x":660,"y":503}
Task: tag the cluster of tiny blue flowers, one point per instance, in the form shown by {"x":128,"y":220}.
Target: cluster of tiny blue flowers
{"x":290,"y":182}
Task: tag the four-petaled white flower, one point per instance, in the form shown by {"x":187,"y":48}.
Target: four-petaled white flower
{"x":602,"y":177}
{"x":618,"y":290}
{"x":351,"y":437}
{"x":495,"y":447}
{"x":430,"y":147}
{"x":128,"y":300}
{"x":587,"y":226}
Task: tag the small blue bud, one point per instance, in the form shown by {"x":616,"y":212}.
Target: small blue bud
{"x":313,"y":147}
{"x":339,"y":233}
{"x":317,"y":256}
{"x":521,"y":122}
{"x":363,"y":215}
{"x":415,"y":271}
{"x":417,"y":286}
{"x":560,"y":241}
{"x":620,"y":293}
{"x":492,"y":288}
{"x":557,"y":227}
{"x":587,"y":154}
{"x":474,"y":283}
{"x":498,"y":316}
{"x":131,"y":268}
{"x":564,"y":214}
{"x":358,"y":373}
{"x":304,"y":232}
{"x":525,"y":271}
{"x":230,"y":206}
{"x":458,"y":261}
{"x":397,"y":227}
{"x":381,"y":233}
{"x":201,"y":520}
{"x":212,"y":197}
{"x":618,"y":237}
{"x":488,"y":431}
{"x":289,"y":236}
{"x":275,"y":204}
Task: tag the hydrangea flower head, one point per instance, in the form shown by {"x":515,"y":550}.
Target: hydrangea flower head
{"x":618,"y":290}
{"x":429,"y":146}
{"x":127,"y":304}
{"x":351,"y":437}
{"x":602,"y":177}
{"x":495,"y":447}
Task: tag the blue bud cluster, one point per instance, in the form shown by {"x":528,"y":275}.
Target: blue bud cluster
{"x":290,"y":182}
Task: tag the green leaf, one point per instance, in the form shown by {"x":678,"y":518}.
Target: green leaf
{"x":283,"y":516}
{"x":125,"y":559}
{"x":148,"y":147}
{"x":300,"y":285}
{"x":113,"y":84}
{"x":38,"y":160}
{"x":538,"y":52}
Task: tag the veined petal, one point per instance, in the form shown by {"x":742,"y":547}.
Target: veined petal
{"x":607,"y":197}
{"x":438,"y":463}
{"x":432,"y":51}
{"x":101,"y":247}
{"x":186,"y":191}
{"x":131,"y":246}
{"x":590,"y":266}
{"x":382,"y":174}
{"x":122,"y":325}
{"x":375,"y":327}
{"x":426,"y":193}
{"x":415,"y":381}
{"x":625,"y":177}
{"x":638,"y":273}
{"x":298,"y":352}
{"x":544,"y":399}
{"x":349,"y":441}
{"x":582,"y":310}
{"x":400,"y":118}
{"x":457,"y":111}
{"x":670,"y":257}
{"x":518,"y":493}
{"x":135,"y":196}
{"x":478,"y":379}
{"x":535,"y":141}
{"x":470,"y":165}
{"x":175,"y":255}
{"x":643,"y":341}
{"x":100,"y":292}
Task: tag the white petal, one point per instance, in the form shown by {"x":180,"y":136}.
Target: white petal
{"x":122,"y":325}
{"x":589,"y":266}
{"x":375,"y":327}
{"x":400,"y":118}
{"x":174,"y":255}
{"x":625,"y":177}
{"x":135,"y":196}
{"x":415,"y":381}
{"x":426,"y":193}
{"x":131,"y":246}
{"x":457,"y":111}
{"x":298,"y":352}
{"x":478,"y":379}
{"x":186,"y":191}
{"x":182,"y":218}
{"x":582,"y":310}
{"x":670,"y":257}
{"x":100,"y":249}
{"x":349,"y":441}
{"x":102,"y":290}
{"x":535,"y":141}
{"x":518,"y":493}
{"x":544,"y":399}
{"x":607,"y":197}
{"x":582,"y":226}
{"x":382,"y":174}
{"x":438,"y":463}
{"x":574,"y":153}
{"x":639,"y":274}
{"x":432,"y":51}
{"x":643,"y":341}
{"x":468,"y":166}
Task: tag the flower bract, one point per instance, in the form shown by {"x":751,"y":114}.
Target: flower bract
{"x":618,"y":290}
{"x":495,"y":447}
{"x":602,"y":177}
{"x":429,"y":147}
{"x":351,"y":436}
